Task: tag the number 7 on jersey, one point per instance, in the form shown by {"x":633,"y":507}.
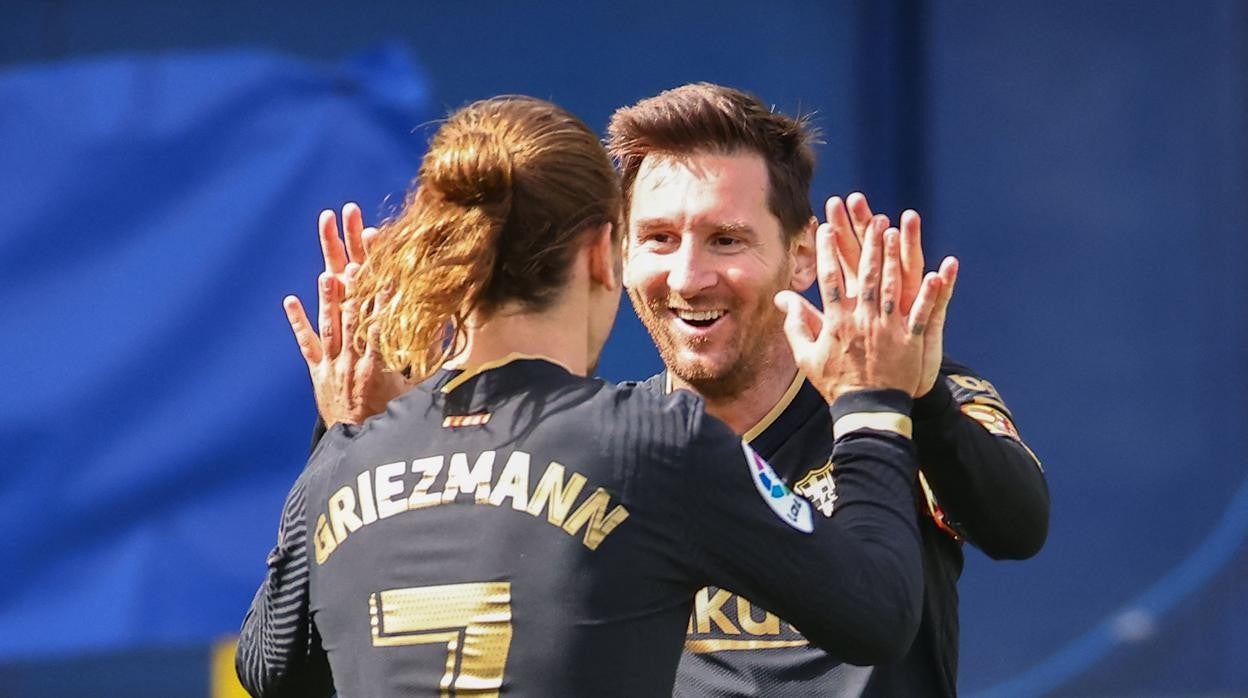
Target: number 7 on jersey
{"x":473,"y":620}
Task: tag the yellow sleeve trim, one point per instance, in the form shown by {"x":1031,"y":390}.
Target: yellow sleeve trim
{"x":895,"y":422}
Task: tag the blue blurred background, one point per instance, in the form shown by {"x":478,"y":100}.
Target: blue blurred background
{"x":161,"y":170}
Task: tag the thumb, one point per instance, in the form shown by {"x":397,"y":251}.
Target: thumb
{"x":801,"y":321}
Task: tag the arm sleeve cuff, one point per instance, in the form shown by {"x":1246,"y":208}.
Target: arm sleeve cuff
{"x":882,"y":410}
{"x":934,"y":403}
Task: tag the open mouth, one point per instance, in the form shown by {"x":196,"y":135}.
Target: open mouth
{"x":699,"y":318}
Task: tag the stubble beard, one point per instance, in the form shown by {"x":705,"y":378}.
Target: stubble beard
{"x":747,"y":354}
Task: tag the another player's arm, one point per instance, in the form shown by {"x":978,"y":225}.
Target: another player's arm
{"x":279,"y":652}
{"x":852,"y":584}
{"x":988,"y":483}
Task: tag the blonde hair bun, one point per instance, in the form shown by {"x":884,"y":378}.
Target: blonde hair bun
{"x":471,"y":167}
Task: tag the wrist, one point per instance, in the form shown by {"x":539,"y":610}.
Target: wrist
{"x":934,"y":402}
{"x":872,"y":408}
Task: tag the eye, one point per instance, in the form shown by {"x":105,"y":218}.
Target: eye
{"x":724,"y":243}
{"x":656,"y":239}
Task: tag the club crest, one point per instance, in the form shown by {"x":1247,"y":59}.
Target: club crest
{"x":819,"y":488}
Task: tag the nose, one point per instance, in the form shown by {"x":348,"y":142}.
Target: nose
{"x":691,"y":272}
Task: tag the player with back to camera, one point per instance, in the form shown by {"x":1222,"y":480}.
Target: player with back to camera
{"x":741,"y":237}
{"x":510,"y":525}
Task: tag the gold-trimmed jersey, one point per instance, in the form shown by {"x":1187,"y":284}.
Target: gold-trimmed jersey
{"x":555,"y":547}
{"x":978,"y":482}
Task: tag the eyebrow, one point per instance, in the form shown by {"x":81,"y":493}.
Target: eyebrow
{"x":722,"y":227}
{"x":652,"y":224}
{"x":732,"y":228}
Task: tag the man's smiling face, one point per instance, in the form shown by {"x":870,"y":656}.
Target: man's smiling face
{"x":705,"y":257}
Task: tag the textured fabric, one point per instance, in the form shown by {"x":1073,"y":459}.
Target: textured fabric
{"x":984,"y":481}
{"x":564,"y":525}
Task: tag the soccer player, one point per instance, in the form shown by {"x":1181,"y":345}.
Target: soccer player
{"x":979,"y":482}
{"x":510,"y":525}
{"x":716,"y":203}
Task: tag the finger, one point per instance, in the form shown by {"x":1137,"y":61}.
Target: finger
{"x":802,"y":323}
{"x":828,"y":265}
{"x":911,"y":257}
{"x":847,"y":244}
{"x":890,"y":276}
{"x":949,"y":277}
{"x":378,"y":302}
{"x":869,"y":268}
{"x":349,"y":276}
{"x":924,"y":303}
{"x":344,"y":365}
{"x":330,"y":315}
{"x":949,"y":271}
{"x":859,"y":213}
{"x":353,"y":231}
{"x":372,"y":355}
{"x":350,"y":312}
{"x":370,"y":236}
{"x":331,"y":246}
{"x":305,"y":336}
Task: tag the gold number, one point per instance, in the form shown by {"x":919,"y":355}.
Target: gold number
{"x":473,"y":620}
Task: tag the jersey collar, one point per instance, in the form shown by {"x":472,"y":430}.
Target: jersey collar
{"x":469,"y":372}
{"x":792,"y":410}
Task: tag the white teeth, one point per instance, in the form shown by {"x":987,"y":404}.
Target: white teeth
{"x":699,"y":315}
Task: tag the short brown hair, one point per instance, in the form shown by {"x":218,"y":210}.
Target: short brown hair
{"x":505,"y":192}
{"x":713,"y":118}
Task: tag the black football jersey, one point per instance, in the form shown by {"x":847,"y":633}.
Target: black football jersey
{"x":736,"y":647}
{"x":522,"y":530}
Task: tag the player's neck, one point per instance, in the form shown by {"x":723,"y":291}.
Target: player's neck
{"x":745,"y":408}
{"x":557,"y":333}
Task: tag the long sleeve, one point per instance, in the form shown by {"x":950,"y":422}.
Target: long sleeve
{"x":279,"y":652}
{"x":851,"y":583}
{"x":988,"y":484}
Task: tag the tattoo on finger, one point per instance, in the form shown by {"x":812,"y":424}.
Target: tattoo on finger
{"x":918,"y":328}
{"x":835,"y":294}
{"x":868,"y":294}
{"x":888,"y":307}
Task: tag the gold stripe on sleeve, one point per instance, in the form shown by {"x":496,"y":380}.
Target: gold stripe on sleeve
{"x":880,"y":421}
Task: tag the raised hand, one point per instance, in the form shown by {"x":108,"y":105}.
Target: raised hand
{"x":349,"y":385}
{"x":867,"y":341}
{"x":851,"y":219}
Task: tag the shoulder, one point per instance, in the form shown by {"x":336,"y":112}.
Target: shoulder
{"x":969,"y":386}
{"x":647,"y":403}
{"x":386,"y":427}
{"x":663,"y":427}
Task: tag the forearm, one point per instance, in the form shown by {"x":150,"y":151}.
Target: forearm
{"x":853,"y":586}
{"x":877,"y":575}
{"x":278,"y":654}
{"x":990,"y":486}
